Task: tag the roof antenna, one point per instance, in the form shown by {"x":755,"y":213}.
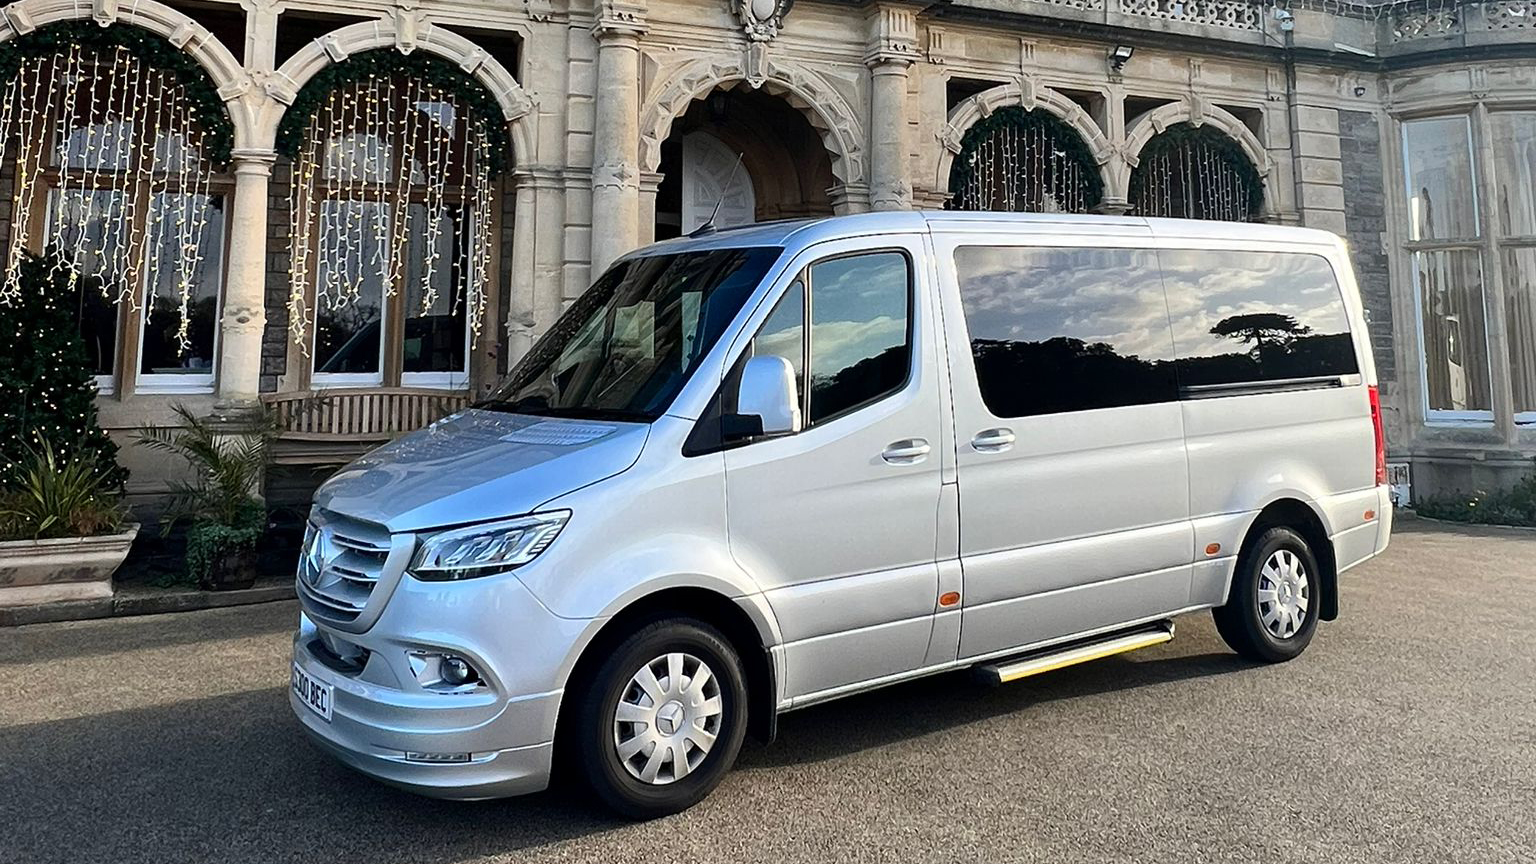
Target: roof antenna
{"x":709,"y":224}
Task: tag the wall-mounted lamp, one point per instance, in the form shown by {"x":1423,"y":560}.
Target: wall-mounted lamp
{"x":1286,"y":19}
{"x":719,"y":104}
{"x":1119,"y":56}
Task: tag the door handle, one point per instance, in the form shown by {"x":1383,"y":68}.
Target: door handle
{"x":907,"y":451}
{"x":993,"y":440}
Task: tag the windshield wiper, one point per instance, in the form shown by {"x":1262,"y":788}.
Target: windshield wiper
{"x":566,"y":412}
{"x":576,"y":412}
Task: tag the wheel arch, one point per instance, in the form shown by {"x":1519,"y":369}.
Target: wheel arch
{"x":749,"y":636}
{"x":1305,"y":520}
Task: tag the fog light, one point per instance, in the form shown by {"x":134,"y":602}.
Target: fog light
{"x":455,"y":671}
{"x":436,"y":757}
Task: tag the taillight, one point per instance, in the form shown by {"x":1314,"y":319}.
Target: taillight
{"x":1381,"y":437}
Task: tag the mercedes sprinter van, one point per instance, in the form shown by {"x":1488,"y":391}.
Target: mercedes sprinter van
{"x":769,"y":466}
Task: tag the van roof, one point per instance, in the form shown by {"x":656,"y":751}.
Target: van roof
{"x":803,"y":232}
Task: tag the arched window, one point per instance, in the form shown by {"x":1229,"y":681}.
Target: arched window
{"x":1196,"y":172}
{"x":391,"y":219}
{"x":1024,"y":161}
{"x":112,"y":138}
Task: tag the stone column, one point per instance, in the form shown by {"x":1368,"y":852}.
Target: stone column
{"x":616,"y":135}
{"x":245,"y":315}
{"x":892,"y":50}
{"x":650,"y":182}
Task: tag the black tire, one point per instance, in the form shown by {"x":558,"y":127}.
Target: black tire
{"x":595,"y":743}
{"x":1241,"y":621}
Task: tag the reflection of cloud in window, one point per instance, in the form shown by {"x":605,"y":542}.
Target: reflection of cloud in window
{"x":836,"y":345}
{"x":784,"y":343}
{"x":850,"y":289}
{"x":1097,"y":295}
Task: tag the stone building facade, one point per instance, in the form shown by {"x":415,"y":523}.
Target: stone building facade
{"x":620,"y":121}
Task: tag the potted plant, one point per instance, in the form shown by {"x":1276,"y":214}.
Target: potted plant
{"x":227,"y":520}
{"x":63,"y":529}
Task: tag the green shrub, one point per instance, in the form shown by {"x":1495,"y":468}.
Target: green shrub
{"x":53,"y":496}
{"x":1513,"y":506}
{"x":208,"y":542}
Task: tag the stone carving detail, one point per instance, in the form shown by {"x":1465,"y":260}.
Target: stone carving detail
{"x":244,"y":319}
{"x":1425,"y":24}
{"x":619,"y":176}
{"x":761,"y":19}
{"x":20,"y":19}
{"x":619,"y":18}
{"x":408,"y":19}
{"x":1510,"y":14}
{"x":104,"y":12}
{"x":894,"y":38}
{"x":1237,"y":14}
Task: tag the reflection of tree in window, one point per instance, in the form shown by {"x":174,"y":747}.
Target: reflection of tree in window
{"x":1285,"y":311}
{"x":1055,"y":330}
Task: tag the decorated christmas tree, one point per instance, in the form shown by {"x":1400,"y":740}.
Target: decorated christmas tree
{"x":47,"y":391}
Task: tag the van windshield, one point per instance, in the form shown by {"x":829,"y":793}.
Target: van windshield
{"x":625,"y":348}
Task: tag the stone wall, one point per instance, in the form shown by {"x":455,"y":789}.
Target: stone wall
{"x":274,"y":340}
{"x":1365,"y":215}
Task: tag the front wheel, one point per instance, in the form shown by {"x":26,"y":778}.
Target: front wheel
{"x":1271,"y":612}
{"x":663,"y":719}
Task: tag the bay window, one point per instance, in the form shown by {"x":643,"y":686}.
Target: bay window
{"x":1446,"y":249}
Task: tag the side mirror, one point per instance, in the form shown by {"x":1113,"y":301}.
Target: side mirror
{"x":768,"y":393}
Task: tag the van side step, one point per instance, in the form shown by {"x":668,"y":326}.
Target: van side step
{"x":1014,"y":668}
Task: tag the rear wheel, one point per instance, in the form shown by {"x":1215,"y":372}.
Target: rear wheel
{"x":663,"y":719}
{"x":1271,"y":612}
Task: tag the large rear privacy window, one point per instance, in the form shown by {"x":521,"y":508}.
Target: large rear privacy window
{"x":1247,"y":317}
{"x":1055,"y":329}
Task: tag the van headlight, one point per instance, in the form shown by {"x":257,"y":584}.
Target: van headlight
{"x":481,"y":550}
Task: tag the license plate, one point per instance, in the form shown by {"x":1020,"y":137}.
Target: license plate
{"x":315,"y":695}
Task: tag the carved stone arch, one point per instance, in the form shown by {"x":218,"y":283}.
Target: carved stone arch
{"x":826,"y":110}
{"x":1027,"y":95}
{"x":226,"y":73}
{"x":1198,"y":112}
{"x":336,"y":46}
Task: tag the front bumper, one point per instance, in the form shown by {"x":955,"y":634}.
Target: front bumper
{"x":372,"y":733}
{"x":381,"y":711}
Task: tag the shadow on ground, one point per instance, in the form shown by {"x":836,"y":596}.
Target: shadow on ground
{"x":231,"y":778}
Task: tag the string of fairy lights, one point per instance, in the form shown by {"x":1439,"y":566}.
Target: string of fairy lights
{"x":386,"y":159}
{"x":1022,"y":166}
{"x":129,"y":207}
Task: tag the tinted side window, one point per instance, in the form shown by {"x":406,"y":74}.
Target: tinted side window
{"x":783,"y":334}
{"x":1244,"y":317}
{"x":860,"y":338}
{"x":1056,"y":330}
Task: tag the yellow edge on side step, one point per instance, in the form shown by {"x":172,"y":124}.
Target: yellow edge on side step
{"x":1082,"y":655}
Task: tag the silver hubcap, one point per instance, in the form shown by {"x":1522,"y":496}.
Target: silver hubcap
{"x":667,"y":719}
{"x":1284,"y":594}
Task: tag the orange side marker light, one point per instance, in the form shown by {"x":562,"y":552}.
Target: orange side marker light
{"x":1212,"y":548}
{"x":949,"y":598}
{"x":1369,"y":515}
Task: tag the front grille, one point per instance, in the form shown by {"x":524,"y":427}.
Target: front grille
{"x":342,"y":563}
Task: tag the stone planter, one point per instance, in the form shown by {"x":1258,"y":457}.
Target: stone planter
{"x":66,"y":568}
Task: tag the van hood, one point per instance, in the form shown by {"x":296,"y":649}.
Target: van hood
{"x":479,"y":465}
